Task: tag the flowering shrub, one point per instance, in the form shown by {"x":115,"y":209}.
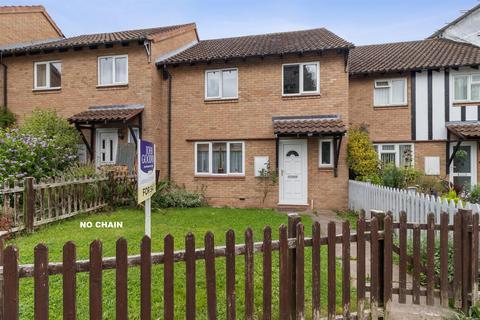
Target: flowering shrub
{"x":24,"y":155}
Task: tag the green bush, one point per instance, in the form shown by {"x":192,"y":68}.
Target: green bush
{"x":48,"y":124}
{"x":7,"y":118}
{"x":451,"y":195}
{"x":170,"y":195}
{"x":361,"y":156}
{"x":79,"y":170}
{"x":401,"y":178}
{"x":23,"y":155}
{"x":473,"y":195}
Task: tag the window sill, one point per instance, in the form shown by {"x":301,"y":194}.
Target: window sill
{"x":325,"y":168}
{"x":219,"y":177}
{"x":466,"y":103}
{"x":302,"y":96}
{"x":50,"y":90}
{"x":112,"y":87}
{"x":393,"y":106}
{"x":220,"y":101}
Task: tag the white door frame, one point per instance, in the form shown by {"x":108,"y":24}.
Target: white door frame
{"x":473,"y":163}
{"x":281,"y":154}
{"x":98,"y":155}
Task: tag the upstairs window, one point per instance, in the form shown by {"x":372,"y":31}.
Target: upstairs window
{"x":219,"y":158}
{"x":301,"y":78}
{"x":390,"y":92}
{"x":221,"y":84}
{"x":467,"y":87}
{"x":113,"y":70}
{"x":48,"y":75}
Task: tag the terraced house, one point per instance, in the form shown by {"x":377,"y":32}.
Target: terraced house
{"x":224,"y":111}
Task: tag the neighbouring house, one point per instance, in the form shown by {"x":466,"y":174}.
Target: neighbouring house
{"x":222,"y":110}
{"x":107,"y":84}
{"x":240,"y":103}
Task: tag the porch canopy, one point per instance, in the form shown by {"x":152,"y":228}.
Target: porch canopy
{"x":120,"y":115}
{"x":463,"y":131}
{"x":312,"y":126}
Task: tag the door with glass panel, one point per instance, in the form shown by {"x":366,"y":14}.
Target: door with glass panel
{"x":463,"y":170}
{"x":107,"y":143}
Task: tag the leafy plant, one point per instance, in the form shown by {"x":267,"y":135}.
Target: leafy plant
{"x":266,"y":181}
{"x":7,"y":118}
{"x":79,"y":170}
{"x":395,"y":177}
{"x":170,"y":195}
{"x":361,"y":156}
{"x":473,"y":313}
{"x":473,"y":195}
{"x":451,"y":195}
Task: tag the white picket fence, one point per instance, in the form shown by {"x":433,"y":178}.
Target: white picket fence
{"x":367,"y":196}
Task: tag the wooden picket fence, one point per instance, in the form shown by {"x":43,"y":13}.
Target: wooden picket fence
{"x":367,"y":196}
{"x":374,"y":286}
{"x":27,"y":204}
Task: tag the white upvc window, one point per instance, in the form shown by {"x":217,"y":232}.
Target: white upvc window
{"x":220,"y":158}
{"x":47,"y":75}
{"x":390,"y":92}
{"x":113,"y":70}
{"x":399,"y":154}
{"x":300,"y":78}
{"x":466,"y":87}
{"x":325,"y":153}
{"x":221,"y":84}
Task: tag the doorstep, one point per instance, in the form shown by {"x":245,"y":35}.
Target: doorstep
{"x":293,"y":207}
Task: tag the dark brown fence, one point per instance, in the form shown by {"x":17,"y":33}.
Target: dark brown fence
{"x":377,"y":241}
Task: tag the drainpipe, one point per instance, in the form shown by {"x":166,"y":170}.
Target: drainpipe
{"x":168,"y":76}
{"x":5,"y":69}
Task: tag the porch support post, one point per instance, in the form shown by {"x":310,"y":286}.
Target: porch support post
{"x":92,"y":141}
{"x":454,"y":153}
{"x":337,"y":143}
{"x":132,"y":132}
{"x":447,"y":153}
{"x":89,"y":147}
{"x":277,"y":142}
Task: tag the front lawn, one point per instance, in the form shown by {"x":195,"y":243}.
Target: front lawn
{"x":177,"y":222}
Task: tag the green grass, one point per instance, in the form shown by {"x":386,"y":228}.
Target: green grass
{"x":176,"y":222}
{"x":349,"y":215}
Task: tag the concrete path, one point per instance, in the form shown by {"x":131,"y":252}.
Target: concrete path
{"x":398,"y":311}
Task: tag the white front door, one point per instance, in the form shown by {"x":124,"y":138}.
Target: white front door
{"x":107,"y":141}
{"x":293,"y":172}
{"x":463,"y":170}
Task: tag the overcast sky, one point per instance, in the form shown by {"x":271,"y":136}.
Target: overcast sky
{"x":361,"y":22}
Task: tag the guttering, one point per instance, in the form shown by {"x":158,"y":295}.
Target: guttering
{"x":5,"y":92}
{"x":168,"y":76}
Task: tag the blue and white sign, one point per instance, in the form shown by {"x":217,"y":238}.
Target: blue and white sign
{"x":146,"y":172}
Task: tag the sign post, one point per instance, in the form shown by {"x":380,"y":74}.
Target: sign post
{"x":146,"y":180}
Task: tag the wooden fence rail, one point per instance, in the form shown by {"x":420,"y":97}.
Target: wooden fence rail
{"x":291,"y":245}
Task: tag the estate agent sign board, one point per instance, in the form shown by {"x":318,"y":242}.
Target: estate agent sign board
{"x":146,"y":178}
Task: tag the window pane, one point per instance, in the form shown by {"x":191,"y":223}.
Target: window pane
{"x":236,"y":159}
{"x":202,"y":158}
{"x":55,"y":74}
{"x":462,"y":181}
{"x":213,"y":84}
{"x":475,"y":77}
{"x":460,"y":86}
{"x":121,"y":70}
{"x":405,"y":155}
{"x":326,"y":152}
{"x":398,"y":91}
{"x":475,"y":93}
{"x":382,"y":96}
{"x":381,"y":83}
{"x":462,"y":160}
{"x":106,"y":70}
{"x":229,"y":87}
{"x":291,"y":79}
{"x":388,"y":147}
{"x":387,"y":158}
{"x":41,"y":75}
{"x":219,"y":157}
{"x":310,"y":77}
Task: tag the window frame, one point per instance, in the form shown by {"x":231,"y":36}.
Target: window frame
{"x":325,"y":165}
{"x":469,"y":86}
{"x":114,"y":83}
{"x":220,"y":85}
{"x":301,"y":92}
{"x":396,"y":151}
{"x":390,"y":96}
{"x":227,"y":159}
{"x":47,"y":80}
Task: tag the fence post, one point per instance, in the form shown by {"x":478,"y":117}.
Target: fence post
{"x":466,"y":257}
{"x":380,"y":215}
{"x":29,"y":204}
{"x":293,"y":220}
{"x":2,"y":294}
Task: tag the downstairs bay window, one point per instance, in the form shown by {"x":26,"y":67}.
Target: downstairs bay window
{"x":220,"y":158}
{"x":399,"y":154}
